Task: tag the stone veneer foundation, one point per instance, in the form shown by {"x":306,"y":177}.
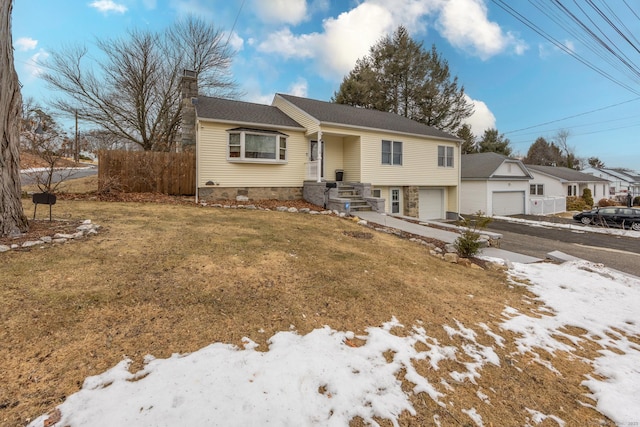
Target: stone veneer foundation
{"x":251,"y":193}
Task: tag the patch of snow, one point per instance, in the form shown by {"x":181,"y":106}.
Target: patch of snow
{"x":475,"y":417}
{"x":574,"y":227}
{"x":538,"y":417}
{"x":600,"y":301}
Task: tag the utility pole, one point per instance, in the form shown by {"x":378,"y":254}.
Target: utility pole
{"x":76,"y":151}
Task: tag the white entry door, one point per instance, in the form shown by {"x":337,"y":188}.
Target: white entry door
{"x":395,"y":200}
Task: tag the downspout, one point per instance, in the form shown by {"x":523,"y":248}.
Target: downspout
{"x":319,"y":157}
{"x":459,"y":190}
{"x":197,"y":160}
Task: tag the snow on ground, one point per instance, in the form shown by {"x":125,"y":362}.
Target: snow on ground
{"x":574,"y":227}
{"x":323,"y":379}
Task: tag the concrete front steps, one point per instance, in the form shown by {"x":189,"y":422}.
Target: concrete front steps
{"x":356,"y":202}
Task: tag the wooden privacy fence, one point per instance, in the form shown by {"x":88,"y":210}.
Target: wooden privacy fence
{"x":147,"y":172}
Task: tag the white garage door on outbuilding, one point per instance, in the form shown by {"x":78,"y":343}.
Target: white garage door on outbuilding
{"x":431,"y":203}
{"x":508,"y":203}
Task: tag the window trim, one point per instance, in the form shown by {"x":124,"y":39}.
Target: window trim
{"x":393,"y":153}
{"x":278,"y":139}
{"x":538,"y":189}
{"x":445,"y":160}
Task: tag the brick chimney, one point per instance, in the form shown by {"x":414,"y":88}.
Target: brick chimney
{"x":189,"y":93}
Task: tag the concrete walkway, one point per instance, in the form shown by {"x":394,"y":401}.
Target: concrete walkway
{"x":438,"y":234}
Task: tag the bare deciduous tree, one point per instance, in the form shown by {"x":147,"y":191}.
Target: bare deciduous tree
{"x":132,"y":92}
{"x":41,"y":136}
{"x":12,"y":218}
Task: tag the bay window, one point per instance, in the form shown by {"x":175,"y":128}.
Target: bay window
{"x":257,"y":145}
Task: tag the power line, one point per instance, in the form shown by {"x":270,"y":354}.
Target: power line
{"x":573,"y":116}
{"x":603,"y":47}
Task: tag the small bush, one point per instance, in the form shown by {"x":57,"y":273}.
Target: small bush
{"x":468,"y":244}
{"x":636,"y":201}
{"x":575,"y":203}
{"x":606,"y":202}
{"x":587,"y":197}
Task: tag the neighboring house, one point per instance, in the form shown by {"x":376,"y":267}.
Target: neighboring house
{"x":325,"y":153}
{"x":494,"y":185}
{"x":621,"y":182}
{"x":551,"y":182}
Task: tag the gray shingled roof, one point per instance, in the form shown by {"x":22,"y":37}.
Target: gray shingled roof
{"x":565,"y":174}
{"x":346,"y":115}
{"x":243,"y":112}
{"x":483,"y":166}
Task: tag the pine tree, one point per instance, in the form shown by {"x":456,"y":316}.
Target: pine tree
{"x":400,"y":76}
{"x":492,"y":141}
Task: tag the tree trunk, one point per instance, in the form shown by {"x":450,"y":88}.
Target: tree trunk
{"x":12,"y":218}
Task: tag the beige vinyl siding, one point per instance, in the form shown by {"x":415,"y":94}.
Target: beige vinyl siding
{"x":332,"y":155}
{"x":213,"y":164}
{"x":419,"y":162}
{"x":451,"y":199}
{"x":385,"y":193}
{"x":296,"y":114}
{"x":351,"y":158}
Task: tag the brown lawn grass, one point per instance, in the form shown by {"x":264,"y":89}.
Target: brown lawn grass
{"x":160,"y":279}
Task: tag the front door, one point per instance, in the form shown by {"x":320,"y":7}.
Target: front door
{"x":313,"y":154}
{"x":395,"y":200}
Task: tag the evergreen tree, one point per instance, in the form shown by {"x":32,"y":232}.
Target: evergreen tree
{"x":400,"y":76}
{"x":492,"y":141}
{"x":595,"y":162}
{"x":469,"y":140}
{"x":544,"y":153}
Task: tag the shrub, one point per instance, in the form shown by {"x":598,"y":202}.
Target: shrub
{"x":587,"y":197}
{"x":636,"y":201}
{"x":606,"y":202}
{"x":575,"y":203}
{"x":468,"y":244}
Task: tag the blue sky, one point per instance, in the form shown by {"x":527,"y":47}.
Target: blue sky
{"x":517,"y":79}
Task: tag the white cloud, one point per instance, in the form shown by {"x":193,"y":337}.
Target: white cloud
{"x":344,"y":40}
{"x":347,"y":37}
{"x":235,"y":41}
{"x":192,"y":7}
{"x":150,"y":4}
{"x":34,"y":64}
{"x":546,"y":50}
{"x":281,"y":11}
{"x":26,"y":43}
{"x":465,"y":24}
{"x":481,"y":119}
{"x":298,"y":88}
{"x":106,"y":6}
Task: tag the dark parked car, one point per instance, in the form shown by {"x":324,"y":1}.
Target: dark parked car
{"x":611,"y":216}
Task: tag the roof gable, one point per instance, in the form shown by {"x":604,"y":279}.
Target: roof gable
{"x":487,"y":165}
{"x":240,"y":112}
{"x":346,"y":115}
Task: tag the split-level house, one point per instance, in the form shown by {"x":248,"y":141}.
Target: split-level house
{"x":335,"y":156}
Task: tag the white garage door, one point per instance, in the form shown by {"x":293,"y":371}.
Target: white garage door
{"x":508,"y":203}
{"x":431,"y":204}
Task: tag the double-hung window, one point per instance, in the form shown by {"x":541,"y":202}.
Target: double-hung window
{"x":536,"y":189}
{"x":256,"y":145}
{"x":445,"y":156}
{"x":391,"y":152}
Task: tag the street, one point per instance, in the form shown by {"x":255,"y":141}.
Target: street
{"x":620,"y":253}
{"x":28,"y":178}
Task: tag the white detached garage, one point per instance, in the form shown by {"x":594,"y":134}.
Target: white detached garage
{"x":494,"y":185}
